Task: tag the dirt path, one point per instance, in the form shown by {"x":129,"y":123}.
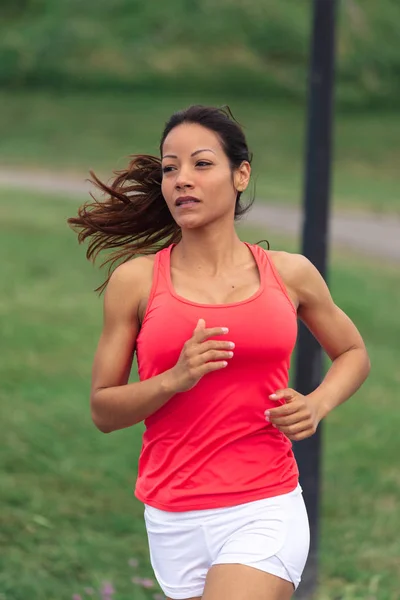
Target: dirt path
{"x":372,"y":235}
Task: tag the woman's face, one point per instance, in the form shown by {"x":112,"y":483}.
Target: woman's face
{"x":195,"y":164}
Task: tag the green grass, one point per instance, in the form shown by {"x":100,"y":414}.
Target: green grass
{"x":78,"y":132}
{"x":258,"y":48}
{"x":69,"y":519}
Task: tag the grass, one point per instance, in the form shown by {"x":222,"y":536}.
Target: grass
{"x":69,"y":518}
{"x":77,"y":132}
{"x":256,"y":48}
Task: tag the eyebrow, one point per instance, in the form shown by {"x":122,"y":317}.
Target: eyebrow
{"x":193,"y":153}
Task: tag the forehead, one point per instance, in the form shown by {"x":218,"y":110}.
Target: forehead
{"x":188,"y":137}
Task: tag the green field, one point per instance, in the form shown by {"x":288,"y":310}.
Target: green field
{"x":83,"y":88}
{"x":69,"y":519}
{"x":78,"y":132}
{"x":258,"y":48}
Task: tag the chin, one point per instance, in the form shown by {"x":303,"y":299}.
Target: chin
{"x":190,"y":222}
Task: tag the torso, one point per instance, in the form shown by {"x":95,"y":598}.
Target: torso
{"x":232,"y":287}
{"x":191,"y":445}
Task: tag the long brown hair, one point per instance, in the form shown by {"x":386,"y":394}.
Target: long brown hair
{"x":134,"y":217}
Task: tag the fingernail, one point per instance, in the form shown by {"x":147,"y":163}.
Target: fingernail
{"x":225,"y":329}
{"x":266,"y":415}
{"x":273,"y":396}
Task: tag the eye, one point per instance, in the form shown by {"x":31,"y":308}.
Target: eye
{"x":200,"y":163}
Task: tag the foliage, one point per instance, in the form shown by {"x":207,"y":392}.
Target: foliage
{"x":247,"y":47}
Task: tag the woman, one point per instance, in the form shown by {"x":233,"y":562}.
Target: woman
{"x":213,"y":321}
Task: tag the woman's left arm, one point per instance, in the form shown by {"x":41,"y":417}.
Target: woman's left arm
{"x":298,"y":418}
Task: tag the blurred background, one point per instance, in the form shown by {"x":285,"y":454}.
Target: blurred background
{"x":83,"y":85}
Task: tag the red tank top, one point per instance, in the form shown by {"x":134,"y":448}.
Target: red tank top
{"x":211,"y":447}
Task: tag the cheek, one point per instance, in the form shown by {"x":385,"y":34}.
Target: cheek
{"x":166,"y":189}
{"x":224,"y":184}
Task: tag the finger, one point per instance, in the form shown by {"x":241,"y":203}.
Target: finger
{"x":287,"y":394}
{"x":212,"y":366}
{"x":215,"y":355}
{"x":290,"y":420}
{"x":203,"y":334}
{"x":302,"y":435}
{"x":295,"y":429}
{"x":215,"y":345}
{"x":201,"y":324}
{"x":282,"y":411}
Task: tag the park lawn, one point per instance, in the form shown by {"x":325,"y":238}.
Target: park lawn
{"x":74,"y":132}
{"x":69,"y":518}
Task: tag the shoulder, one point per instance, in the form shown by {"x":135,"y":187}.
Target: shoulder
{"x":129,"y":282}
{"x":132,"y":271}
{"x":289,"y":265}
{"x":299,"y":275}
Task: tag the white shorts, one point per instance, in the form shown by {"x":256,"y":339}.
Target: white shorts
{"x":271,"y":534}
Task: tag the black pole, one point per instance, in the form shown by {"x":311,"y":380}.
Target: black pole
{"x":309,"y":367}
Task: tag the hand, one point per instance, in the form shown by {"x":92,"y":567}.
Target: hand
{"x":200,"y":356}
{"x":298,"y":418}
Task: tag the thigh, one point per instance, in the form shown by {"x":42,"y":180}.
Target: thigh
{"x":241,"y":582}
{"x":271,"y":537}
{"x":179,"y":556}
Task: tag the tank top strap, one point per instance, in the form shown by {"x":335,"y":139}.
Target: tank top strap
{"x":260,"y":257}
{"x":162,"y":266}
{"x":269,"y":270}
{"x":262,"y":264}
{"x":159,"y":279}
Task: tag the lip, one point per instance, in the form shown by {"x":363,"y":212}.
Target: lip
{"x":183,"y":198}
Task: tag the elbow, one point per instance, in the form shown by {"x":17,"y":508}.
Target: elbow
{"x":98,"y":419}
{"x":367,"y":364}
{"x":100,"y":424}
{"x":367,"y":360}
{"x":103,"y":428}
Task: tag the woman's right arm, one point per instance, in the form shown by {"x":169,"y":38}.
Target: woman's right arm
{"x":115,"y":403}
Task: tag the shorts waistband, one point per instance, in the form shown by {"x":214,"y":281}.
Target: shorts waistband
{"x":173,"y":517}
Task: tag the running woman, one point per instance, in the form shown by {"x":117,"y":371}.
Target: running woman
{"x":213,"y":322}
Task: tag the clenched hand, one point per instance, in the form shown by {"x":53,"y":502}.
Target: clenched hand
{"x":298,"y":418}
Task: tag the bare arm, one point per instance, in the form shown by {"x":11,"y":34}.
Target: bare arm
{"x":115,"y":404}
{"x":338,"y":336}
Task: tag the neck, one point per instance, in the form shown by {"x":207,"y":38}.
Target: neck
{"x":210,"y":250}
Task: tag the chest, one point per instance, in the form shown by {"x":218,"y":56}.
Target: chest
{"x":225,"y":288}
{"x":263,"y":329}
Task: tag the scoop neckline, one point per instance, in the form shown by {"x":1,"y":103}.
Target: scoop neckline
{"x":256,"y":294}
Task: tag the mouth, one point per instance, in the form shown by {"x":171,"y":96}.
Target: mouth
{"x":186,"y":200}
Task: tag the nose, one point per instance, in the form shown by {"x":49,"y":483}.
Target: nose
{"x":183,"y":180}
